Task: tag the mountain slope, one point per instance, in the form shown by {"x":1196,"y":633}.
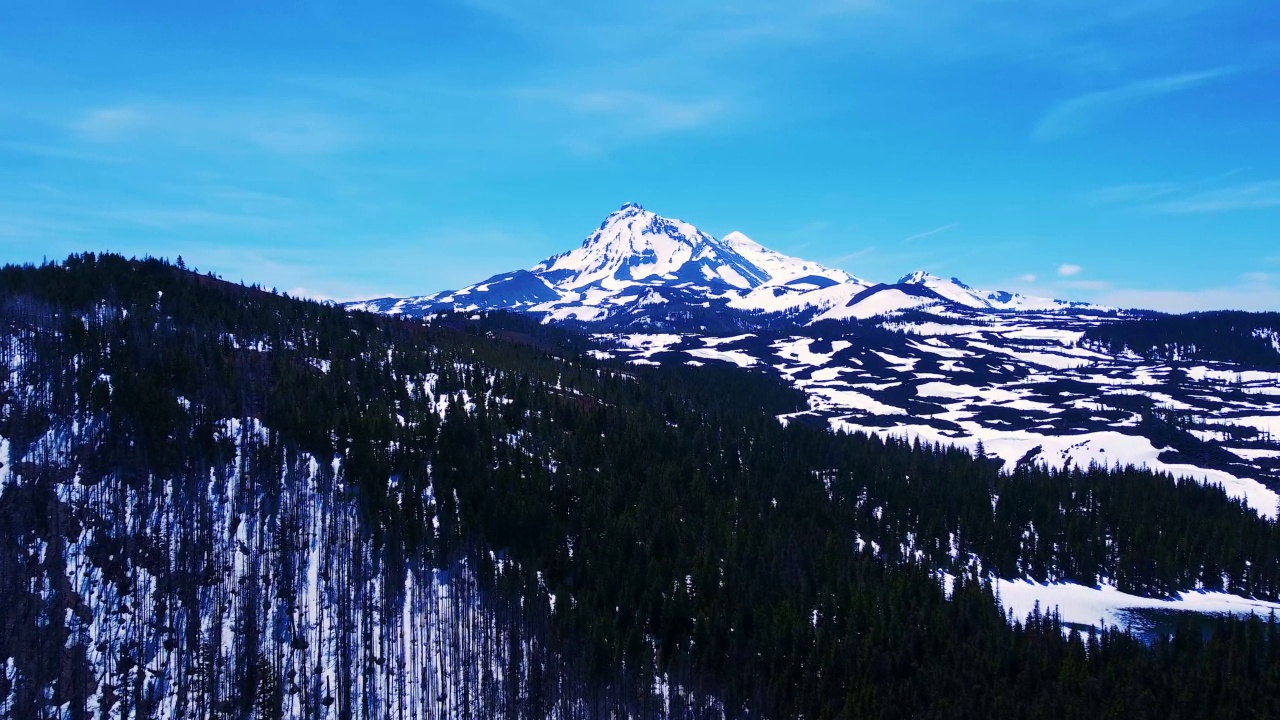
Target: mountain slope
{"x":220,"y":502}
{"x":987,"y":367}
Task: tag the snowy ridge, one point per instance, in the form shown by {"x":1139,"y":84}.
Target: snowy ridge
{"x":955,"y":291}
{"x":784,"y":269}
{"x":640,"y":269}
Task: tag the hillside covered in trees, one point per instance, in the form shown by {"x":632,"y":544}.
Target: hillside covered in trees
{"x":216,"y":501}
{"x":1251,"y":339}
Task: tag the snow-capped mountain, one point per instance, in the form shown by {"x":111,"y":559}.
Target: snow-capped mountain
{"x":955,"y":291}
{"x":922,"y":356}
{"x":640,"y":269}
{"x":634,"y":245}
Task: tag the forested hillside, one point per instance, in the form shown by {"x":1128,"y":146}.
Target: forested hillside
{"x":221,"y":502}
{"x":1251,"y":339}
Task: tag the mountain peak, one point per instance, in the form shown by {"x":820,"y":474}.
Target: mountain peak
{"x":922,"y":277}
{"x":634,"y":245}
{"x":636,"y":259}
{"x":919,"y":277}
{"x":738,"y":239}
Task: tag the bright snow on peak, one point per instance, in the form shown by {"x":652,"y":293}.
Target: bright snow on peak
{"x":957,"y":292}
{"x":633,"y":245}
{"x":637,"y":260}
{"x":922,"y":277}
{"x":783,"y":269}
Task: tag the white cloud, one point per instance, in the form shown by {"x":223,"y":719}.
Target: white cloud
{"x":1069,"y":270}
{"x":1083,"y":111}
{"x":1028,"y":278}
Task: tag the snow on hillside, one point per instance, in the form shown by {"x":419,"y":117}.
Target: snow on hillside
{"x":1105,"y":604}
{"x":923,"y":358}
{"x":783,"y":269}
{"x":1021,"y":385}
{"x":882,"y":302}
{"x":957,"y":292}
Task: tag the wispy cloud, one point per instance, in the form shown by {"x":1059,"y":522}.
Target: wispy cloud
{"x":930,"y":233}
{"x":1045,"y":32}
{"x":1252,"y":196}
{"x":1084,"y":111}
{"x":1182,"y":301}
{"x":202,"y":124}
{"x":647,"y":113}
{"x":172,"y":218}
{"x":55,"y":152}
{"x":1133,"y":192}
{"x":1253,"y":291}
{"x":1069,"y":270}
{"x":295,"y":134}
{"x":1085,"y":284}
{"x":1204,"y":195}
{"x":850,"y":257}
{"x":109,"y":123}
{"x":30,"y":227}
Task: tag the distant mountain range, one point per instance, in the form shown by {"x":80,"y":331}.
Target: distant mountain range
{"x":1030,"y":380}
{"x":643,"y":270}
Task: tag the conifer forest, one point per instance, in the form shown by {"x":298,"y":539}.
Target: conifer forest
{"x":218,"y":501}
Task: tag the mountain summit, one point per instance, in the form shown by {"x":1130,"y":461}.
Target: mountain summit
{"x":634,"y":245}
{"x":640,"y":269}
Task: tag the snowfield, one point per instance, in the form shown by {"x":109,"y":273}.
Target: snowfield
{"x":1106,"y":605}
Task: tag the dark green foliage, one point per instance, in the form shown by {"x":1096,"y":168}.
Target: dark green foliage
{"x":1251,"y":339}
{"x":681,"y":528}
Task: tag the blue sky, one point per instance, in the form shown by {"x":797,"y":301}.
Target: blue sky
{"x":1121,"y":151}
